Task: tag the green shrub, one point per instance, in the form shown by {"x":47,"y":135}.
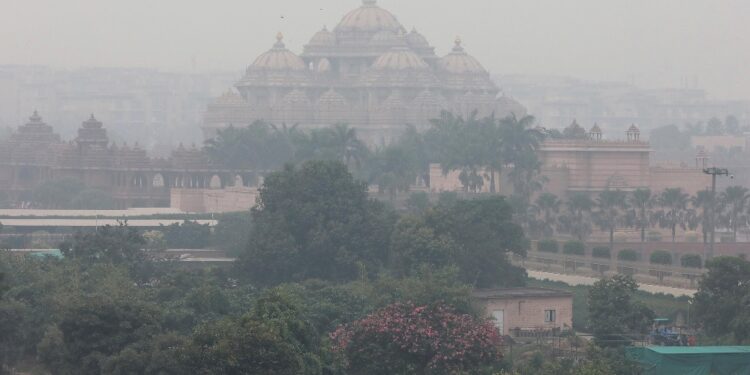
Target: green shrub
{"x":629,"y":255}
{"x":548,"y":246}
{"x":661,"y":257}
{"x":691,"y":261}
{"x":601,"y":252}
{"x":574,"y":248}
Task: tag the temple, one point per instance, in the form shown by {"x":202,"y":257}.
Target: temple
{"x":369,"y":72}
{"x":35,"y":154}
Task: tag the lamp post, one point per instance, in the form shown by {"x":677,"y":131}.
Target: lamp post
{"x":713,"y":171}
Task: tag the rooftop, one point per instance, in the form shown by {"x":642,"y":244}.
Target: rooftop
{"x":506,"y":293}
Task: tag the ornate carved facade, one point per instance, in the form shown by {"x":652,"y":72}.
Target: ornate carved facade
{"x":35,"y":154}
{"x":369,"y":72}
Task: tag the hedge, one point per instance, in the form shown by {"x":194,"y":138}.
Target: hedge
{"x":661,"y":257}
{"x":548,"y":246}
{"x":691,"y":261}
{"x":601,"y":252}
{"x":574,"y":248}
{"x":628,"y":255}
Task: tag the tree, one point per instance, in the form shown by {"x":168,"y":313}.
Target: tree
{"x":93,"y":328}
{"x":109,"y":244}
{"x":275,"y":337}
{"x":257,"y":146}
{"x":577,"y":219}
{"x":484,"y":232}
{"x":315,"y":221}
{"x":722,"y":297}
{"x":673,"y":213}
{"x":187,"y":235}
{"x":410,"y":339}
{"x":615,"y":317}
{"x":641,"y":202}
{"x":610,"y":206}
{"x":548,"y":206}
{"x":519,"y":145}
{"x":414,"y":244}
{"x":735,"y":201}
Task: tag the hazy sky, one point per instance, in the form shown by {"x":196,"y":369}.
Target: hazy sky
{"x":653,"y":43}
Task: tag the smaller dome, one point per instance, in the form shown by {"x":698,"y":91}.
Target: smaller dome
{"x":596,"y":129}
{"x":279,"y":58}
{"x":459,"y":62}
{"x":399,"y":59}
{"x":323,"y":38}
{"x":506,"y":106}
{"x":417,"y":40}
{"x":324,"y":66}
{"x":633,"y":129}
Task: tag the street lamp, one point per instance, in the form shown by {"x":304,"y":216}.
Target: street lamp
{"x":714,"y":171}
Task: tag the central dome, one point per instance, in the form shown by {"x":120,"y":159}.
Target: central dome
{"x":369,"y":18}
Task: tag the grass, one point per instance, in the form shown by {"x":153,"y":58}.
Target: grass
{"x":664,"y":305}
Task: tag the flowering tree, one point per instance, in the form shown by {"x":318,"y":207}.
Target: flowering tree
{"x":407,"y":339}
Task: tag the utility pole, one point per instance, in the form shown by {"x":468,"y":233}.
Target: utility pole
{"x":713,"y":171}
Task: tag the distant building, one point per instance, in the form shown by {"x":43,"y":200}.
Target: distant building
{"x":369,"y":72}
{"x":593,"y":164}
{"x":527,"y":311}
{"x":35,"y":154}
{"x":557,"y":101}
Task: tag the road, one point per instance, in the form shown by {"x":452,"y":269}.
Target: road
{"x":583,"y":280}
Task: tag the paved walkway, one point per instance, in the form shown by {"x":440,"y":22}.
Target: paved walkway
{"x":584,"y":280}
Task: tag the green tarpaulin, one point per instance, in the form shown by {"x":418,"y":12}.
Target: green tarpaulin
{"x":695,"y":360}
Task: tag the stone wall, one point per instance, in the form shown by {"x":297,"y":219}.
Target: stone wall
{"x":230,"y":199}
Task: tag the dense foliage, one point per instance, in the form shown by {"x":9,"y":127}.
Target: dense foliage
{"x":721,"y":300}
{"x":616,"y":318}
{"x":410,"y":339}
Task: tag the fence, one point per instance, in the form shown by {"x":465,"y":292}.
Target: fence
{"x":642,"y":271}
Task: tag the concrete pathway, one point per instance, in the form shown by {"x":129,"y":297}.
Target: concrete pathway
{"x":584,"y":280}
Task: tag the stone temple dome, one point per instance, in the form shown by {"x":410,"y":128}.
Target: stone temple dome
{"x":417,"y":40}
{"x":460,"y":62}
{"x":387,"y":38}
{"x":369,"y":72}
{"x":399,"y":59}
{"x":369,"y":18}
{"x":279,"y":58}
{"x":323,"y":38}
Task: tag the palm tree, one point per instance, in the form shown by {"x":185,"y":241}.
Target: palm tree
{"x":641,"y":202}
{"x":577,"y":220}
{"x":734,"y":201}
{"x":519,"y":145}
{"x":701,"y":208}
{"x":673,"y":213}
{"x":610,"y":206}
{"x":548,"y":206}
{"x":348,"y":147}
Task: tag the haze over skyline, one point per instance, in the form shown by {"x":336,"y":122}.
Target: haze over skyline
{"x":650,"y":43}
